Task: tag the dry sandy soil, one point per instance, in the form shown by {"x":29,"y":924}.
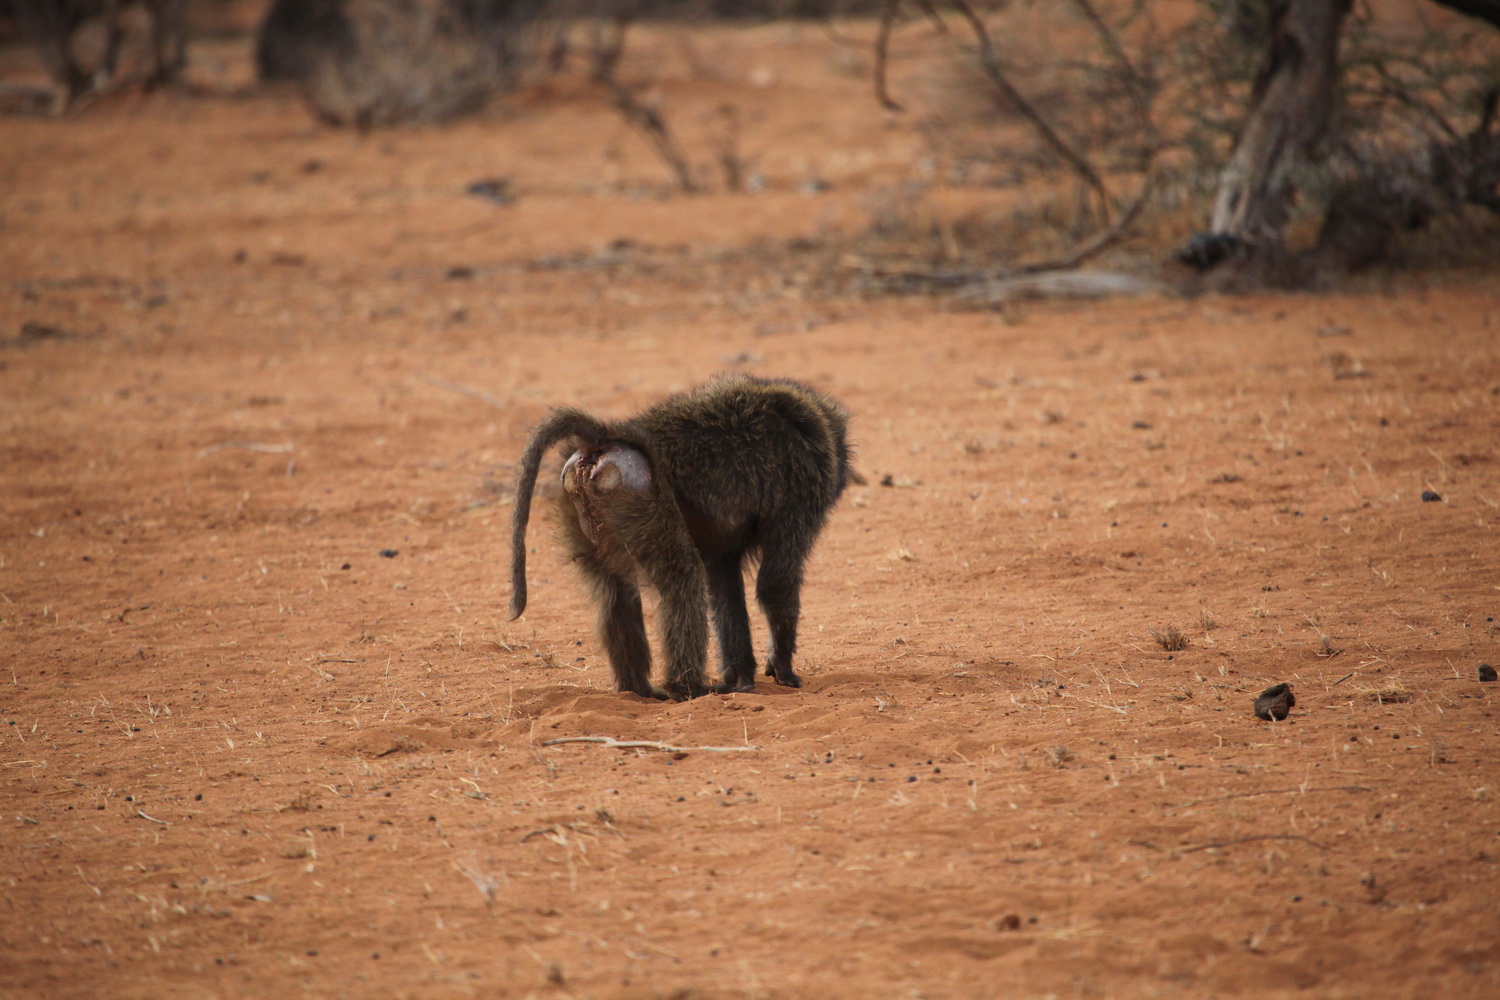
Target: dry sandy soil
{"x":262,"y":385}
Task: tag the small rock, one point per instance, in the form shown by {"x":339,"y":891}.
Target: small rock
{"x":1431,"y":496}
{"x":389,"y":553}
{"x":1486,"y":672}
{"x":495,"y":189}
{"x":33,"y":333}
{"x":1275,"y":702}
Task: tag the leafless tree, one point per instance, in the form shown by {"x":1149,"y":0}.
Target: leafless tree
{"x":1289,"y":119}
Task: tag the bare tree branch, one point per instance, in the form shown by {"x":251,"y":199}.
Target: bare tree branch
{"x":1103,"y":240}
{"x":989,"y":60}
{"x":650,"y":122}
{"x":1136,"y":81}
{"x":882,"y":45}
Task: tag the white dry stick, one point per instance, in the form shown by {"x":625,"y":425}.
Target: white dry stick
{"x":271,"y":449}
{"x":611,"y":742}
{"x":488,"y":883}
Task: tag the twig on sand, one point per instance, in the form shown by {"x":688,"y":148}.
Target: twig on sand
{"x":142,"y":814}
{"x":612,"y":743}
{"x":1275,"y":791}
{"x":1247,"y":840}
{"x":272,"y":449}
{"x":467,"y":390}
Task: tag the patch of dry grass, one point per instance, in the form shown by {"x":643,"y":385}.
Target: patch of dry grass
{"x":1170,"y":638}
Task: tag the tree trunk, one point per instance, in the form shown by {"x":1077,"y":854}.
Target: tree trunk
{"x":1290,"y":107}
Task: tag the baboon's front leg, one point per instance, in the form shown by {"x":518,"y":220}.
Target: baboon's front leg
{"x":726,"y":588}
{"x":778,"y":589}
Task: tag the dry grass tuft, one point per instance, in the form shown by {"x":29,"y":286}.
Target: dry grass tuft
{"x":1170,"y":638}
{"x":1326,"y":648}
{"x":1058,"y":756}
{"x":1392,"y":691}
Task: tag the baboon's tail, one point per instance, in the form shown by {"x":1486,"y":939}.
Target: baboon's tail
{"x":561,"y":423}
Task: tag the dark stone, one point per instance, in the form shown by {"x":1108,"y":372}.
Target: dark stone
{"x":495,"y":189}
{"x":1275,"y":702}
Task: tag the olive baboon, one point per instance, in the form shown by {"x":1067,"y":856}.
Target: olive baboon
{"x":683,"y":494}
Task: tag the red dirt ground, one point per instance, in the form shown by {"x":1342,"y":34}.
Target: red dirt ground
{"x":246,"y":755}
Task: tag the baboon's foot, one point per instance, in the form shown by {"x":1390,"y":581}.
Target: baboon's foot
{"x":687,"y":690}
{"x":735,"y":686}
{"x":647,"y":691}
{"x":784,"y":675}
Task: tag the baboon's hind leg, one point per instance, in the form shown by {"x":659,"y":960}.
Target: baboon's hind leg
{"x":621,"y":622}
{"x":659,"y":540}
{"x":622,"y":630}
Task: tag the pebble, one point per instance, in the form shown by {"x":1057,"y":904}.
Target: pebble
{"x":1486,"y":672}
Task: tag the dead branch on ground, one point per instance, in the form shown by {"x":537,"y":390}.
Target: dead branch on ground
{"x":609,"y":742}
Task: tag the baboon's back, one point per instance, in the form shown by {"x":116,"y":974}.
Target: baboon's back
{"x":743,"y":447}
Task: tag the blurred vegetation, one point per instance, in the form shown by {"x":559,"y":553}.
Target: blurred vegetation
{"x":1117,"y":114}
{"x":1107,"y":104}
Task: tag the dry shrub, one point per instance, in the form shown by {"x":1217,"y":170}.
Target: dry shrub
{"x":87,"y":46}
{"x":295,"y":36}
{"x":408,"y":61}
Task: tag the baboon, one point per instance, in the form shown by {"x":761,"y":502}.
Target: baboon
{"x":742,"y":468}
